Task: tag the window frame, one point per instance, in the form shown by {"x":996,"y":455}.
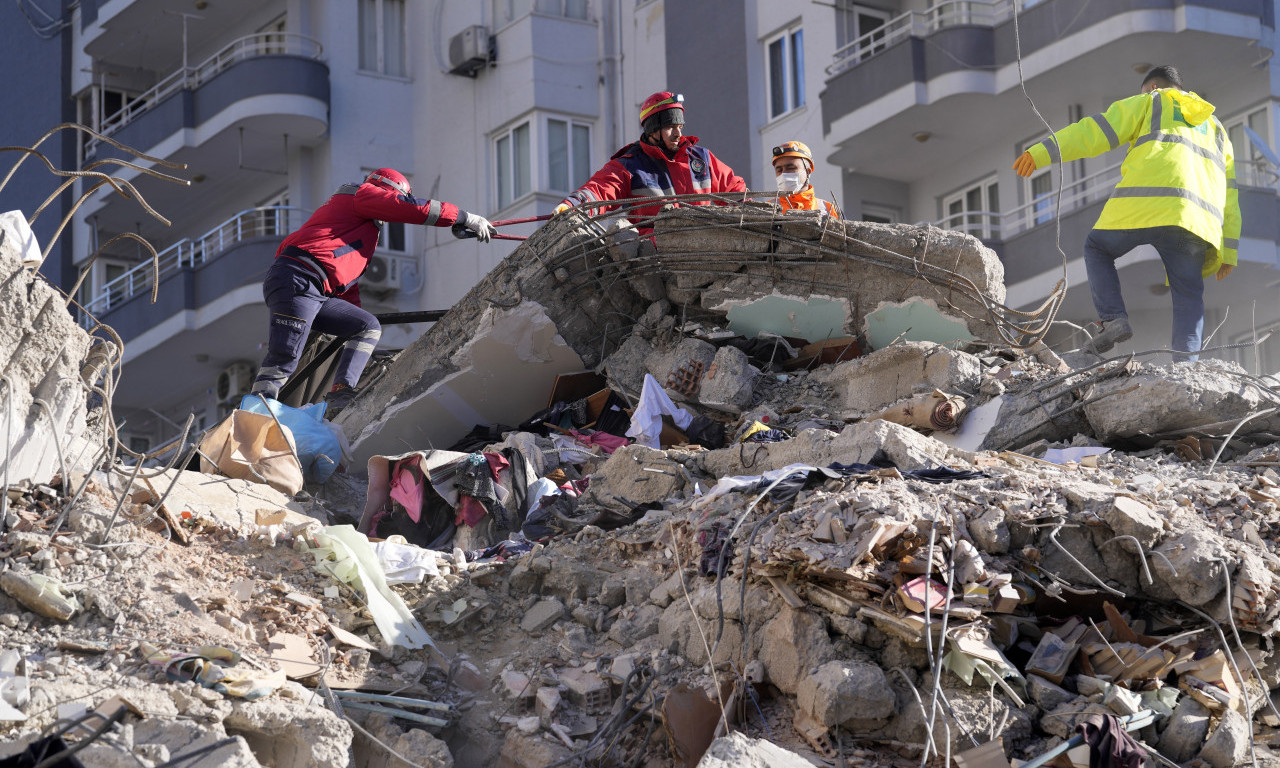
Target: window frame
{"x":1243,"y":118}
{"x":984,"y":229}
{"x":576,"y":176}
{"x":381,"y":38}
{"x":793,"y":80}
{"x":508,"y":133}
{"x":846,"y":10}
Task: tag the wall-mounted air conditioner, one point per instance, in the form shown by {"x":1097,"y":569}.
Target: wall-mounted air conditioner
{"x":234,"y":382}
{"x":385,"y":273}
{"x":470,"y":50}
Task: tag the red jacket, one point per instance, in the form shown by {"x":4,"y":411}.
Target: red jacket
{"x":643,"y":170}
{"x":339,"y":238}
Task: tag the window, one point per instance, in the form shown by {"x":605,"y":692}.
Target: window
{"x":513,"y":164}
{"x":880,"y":214}
{"x":975,"y":211}
{"x":571,"y":9}
{"x":1042,"y":202}
{"x":505,"y":11}
{"x":855,"y":21}
{"x":1252,"y":167}
{"x":568,"y":154}
{"x":381,"y":34}
{"x":274,"y":42}
{"x":784,"y":58}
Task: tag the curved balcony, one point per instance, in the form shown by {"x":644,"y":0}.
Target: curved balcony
{"x":188,"y":256}
{"x":282,"y":64}
{"x":952,"y":72}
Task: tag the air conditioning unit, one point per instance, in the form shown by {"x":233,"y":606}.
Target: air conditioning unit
{"x":384,"y":273}
{"x":470,"y":50}
{"x":234,"y":382}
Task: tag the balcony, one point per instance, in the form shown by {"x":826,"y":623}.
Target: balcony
{"x":231,"y":119}
{"x":209,"y":305}
{"x":953,"y":73}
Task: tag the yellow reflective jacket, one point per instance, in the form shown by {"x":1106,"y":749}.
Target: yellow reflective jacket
{"x":1179,"y":171}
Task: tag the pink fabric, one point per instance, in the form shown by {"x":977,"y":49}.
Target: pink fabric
{"x":470,"y":510}
{"x":497,"y":463}
{"x":406,"y":487}
{"x":606,"y":441}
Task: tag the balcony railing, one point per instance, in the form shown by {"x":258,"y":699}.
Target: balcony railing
{"x":190,"y":78}
{"x":991,"y":225}
{"x":949,"y":13}
{"x":272,"y":221}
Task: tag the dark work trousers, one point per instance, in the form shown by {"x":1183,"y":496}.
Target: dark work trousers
{"x":297,"y":305}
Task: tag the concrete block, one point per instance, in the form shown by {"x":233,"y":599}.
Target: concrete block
{"x":793,"y":643}
{"x":883,"y":377}
{"x":846,"y":692}
{"x":729,"y":381}
{"x":543,"y":614}
{"x":1185,"y":732}
{"x":1228,"y":745}
{"x":737,"y":750}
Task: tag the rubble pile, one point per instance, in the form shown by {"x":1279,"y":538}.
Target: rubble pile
{"x":706,"y":549}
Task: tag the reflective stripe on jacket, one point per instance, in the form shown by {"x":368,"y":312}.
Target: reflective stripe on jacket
{"x":805,"y":200}
{"x":643,"y":170}
{"x":1179,"y":171}
{"x":340,"y":237}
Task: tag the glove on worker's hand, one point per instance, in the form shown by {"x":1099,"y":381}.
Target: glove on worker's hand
{"x":1024,"y":166}
{"x":481,"y":226}
{"x":561,"y":208}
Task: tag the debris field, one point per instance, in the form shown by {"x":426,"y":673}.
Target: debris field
{"x":781,"y":491}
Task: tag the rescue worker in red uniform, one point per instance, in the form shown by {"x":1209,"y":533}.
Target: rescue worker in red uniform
{"x":663,"y":163}
{"x":793,"y":166}
{"x":313,"y":281}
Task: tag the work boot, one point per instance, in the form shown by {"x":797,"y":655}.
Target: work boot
{"x":339,"y":399}
{"x":1113,"y":332}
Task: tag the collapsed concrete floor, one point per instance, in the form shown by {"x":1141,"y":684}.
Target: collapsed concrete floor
{"x":877,"y":571}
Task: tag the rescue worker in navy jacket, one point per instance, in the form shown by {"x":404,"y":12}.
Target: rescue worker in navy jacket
{"x":664,"y":162}
{"x":313,"y":280}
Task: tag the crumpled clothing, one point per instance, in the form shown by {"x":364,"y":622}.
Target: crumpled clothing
{"x":202,"y":667}
{"x":767,"y":436}
{"x":404,"y":563}
{"x":570,"y":451}
{"x":479,"y":495}
{"x":607,"y":442}
{"x":646,"y":421}
{"x":501,"y":551}
{"x":713,"y":540}
{"x":1110,"y":745}
{"x":406,"y":487}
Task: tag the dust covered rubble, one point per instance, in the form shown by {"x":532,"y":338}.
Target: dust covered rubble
{"x":1085,"y":582}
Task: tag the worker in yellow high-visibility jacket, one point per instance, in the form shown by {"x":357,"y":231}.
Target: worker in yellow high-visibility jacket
{"x":1177,"y":192}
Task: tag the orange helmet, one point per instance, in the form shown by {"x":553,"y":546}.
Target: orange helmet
{"x":794,"y":149}
{"x":662,"y":108}
{"x":389,"y":178}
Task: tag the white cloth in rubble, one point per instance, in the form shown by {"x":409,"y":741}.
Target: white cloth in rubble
{"x":646,"y":422}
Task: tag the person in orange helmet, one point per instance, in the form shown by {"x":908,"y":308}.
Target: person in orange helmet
{"x":793,"y":165}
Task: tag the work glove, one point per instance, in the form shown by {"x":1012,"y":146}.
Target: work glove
{"x":561,"y":208}
{"x":1024,"y":166}
{"x":481,"y":226}
{"x":1225,"y":270}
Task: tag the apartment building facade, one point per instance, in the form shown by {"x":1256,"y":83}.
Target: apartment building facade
{"x":914,"y":110}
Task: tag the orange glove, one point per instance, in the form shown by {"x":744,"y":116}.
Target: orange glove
{"x":561,"y":208}
{"x":1225,"y":270}
{"x":1024,"y":166}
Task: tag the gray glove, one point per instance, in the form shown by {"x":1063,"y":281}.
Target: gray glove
{"x":481,"y":226}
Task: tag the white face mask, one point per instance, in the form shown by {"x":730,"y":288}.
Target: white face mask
{"x":790,"y":183}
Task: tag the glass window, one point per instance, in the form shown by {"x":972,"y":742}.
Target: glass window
{"x":1042,"y":203}
{"x":505,"y":11}
{"x":974,"y":210}
{"x":513,"y":161}
{"x":568,"y":154}
{"x":784,"y":57}
{"x":853,"y":22}
{"x":381,"y":36}
{"x":1253,"y":169}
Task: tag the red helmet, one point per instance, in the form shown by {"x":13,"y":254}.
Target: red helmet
{"x":662,"y":108}
{"x":389,"y":178}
